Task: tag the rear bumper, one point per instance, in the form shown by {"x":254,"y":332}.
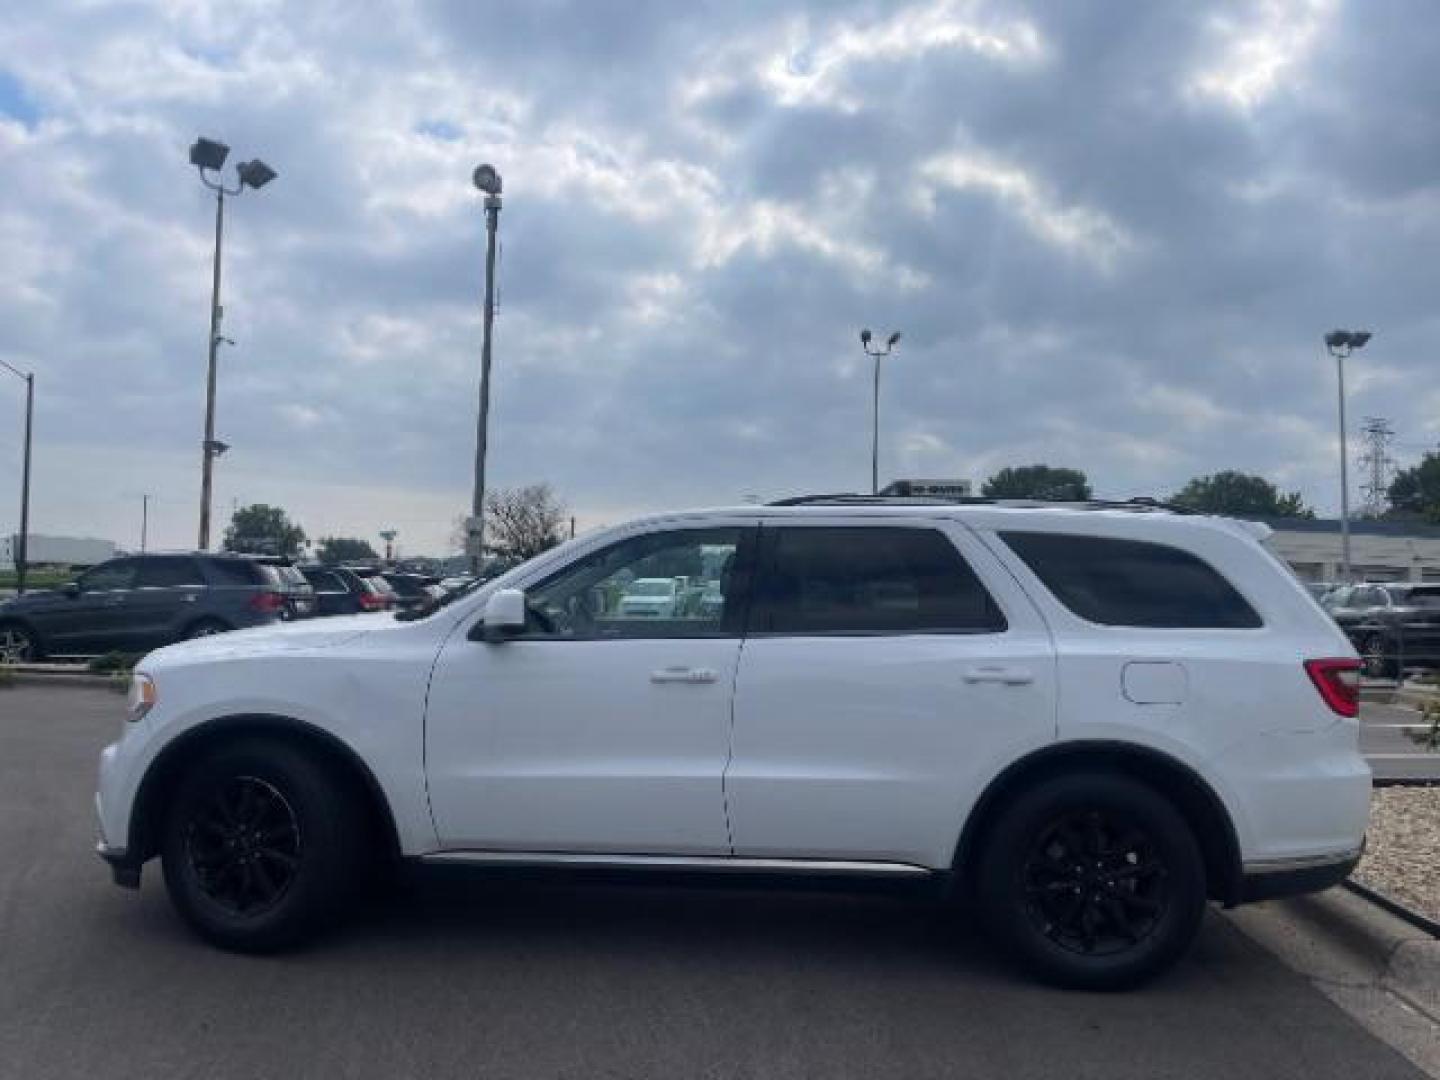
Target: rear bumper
{"x":1292,"y":877}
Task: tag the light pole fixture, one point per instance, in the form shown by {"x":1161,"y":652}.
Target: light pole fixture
{"x":487,"y":179}
{"x":22,"y":545}
{"x":208,"y":156}
{"x":1341,"y":343}
{"x":877,"y":353}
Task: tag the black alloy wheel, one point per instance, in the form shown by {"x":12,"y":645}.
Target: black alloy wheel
{"x":1095,"y":883}
{"x":1094,"y":879}
{"x":264,"y":842}
{"x":244,"y":845}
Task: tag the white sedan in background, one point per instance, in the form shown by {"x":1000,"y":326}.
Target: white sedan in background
{"x":652,"y":598}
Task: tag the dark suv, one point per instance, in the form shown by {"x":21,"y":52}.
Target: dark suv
{"x":349,"y":590}
{"x":1393,"y":626}
{"x":139,"y":602}
{"x":298,"y":592}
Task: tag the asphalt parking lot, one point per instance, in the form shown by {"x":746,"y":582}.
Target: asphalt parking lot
{"x":512,"y":977}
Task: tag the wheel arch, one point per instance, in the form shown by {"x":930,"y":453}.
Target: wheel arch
{"x":164,"y":774}
{"x":1197,"y":801}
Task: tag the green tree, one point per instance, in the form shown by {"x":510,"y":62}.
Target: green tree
{"x":1238,"y":494}
{"x":1038,"y":482}
{"x":265,"y":530}
{"x":333,"y":550}
{"x":1416,"y":491}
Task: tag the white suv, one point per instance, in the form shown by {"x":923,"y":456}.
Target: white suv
{"x":1084,"y":719}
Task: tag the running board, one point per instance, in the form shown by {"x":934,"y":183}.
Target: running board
{"x":705,"y":863}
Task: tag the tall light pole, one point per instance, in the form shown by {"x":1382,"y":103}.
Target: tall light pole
{"x":22,"y":548}
{"x":487,"y":179}
{"x":207,"y":155}
{"x":1341,"y":343}
{"x":877,"y":353}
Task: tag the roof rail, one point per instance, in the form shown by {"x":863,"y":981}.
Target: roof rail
{"x":1138,"y":504}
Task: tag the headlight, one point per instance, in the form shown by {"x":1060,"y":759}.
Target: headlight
{"x":143,"y":696}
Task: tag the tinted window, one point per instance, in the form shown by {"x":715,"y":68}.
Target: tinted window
{"x":117,"y":574}
{"x":1421,"y":598}
{"x":235,"y":572}
{"x":869,"y":581}
{"x":1371,"y":597}
{"x":600,"y":596}
{"x":1132,"y":583}
{"x":325,"y":581}
{"x":166,"y":572}
{"x":378,"y":585}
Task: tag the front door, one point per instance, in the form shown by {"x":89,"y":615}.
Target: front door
{"x":884,"y":681}
{"x":91,"y":620}
{"x":605,"y":726}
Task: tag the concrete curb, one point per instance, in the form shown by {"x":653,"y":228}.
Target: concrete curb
{"x":1379,"y":968}
{"x":34,"y":675}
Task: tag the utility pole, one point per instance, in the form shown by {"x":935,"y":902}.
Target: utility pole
{"x":1340,"y":344}
{"x":22,"y":546}
{"x":208,"y":156}
{"x":1376,"y":464}
{"x":144,"y":521}
{"x":487,"y":180}
{"x":877,"y":353}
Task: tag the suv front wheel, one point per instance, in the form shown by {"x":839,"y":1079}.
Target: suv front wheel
{"x":1094,"y":880}
{"x":262,"y":843}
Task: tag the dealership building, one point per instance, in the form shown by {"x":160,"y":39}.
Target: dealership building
{"x":1379,"y":550}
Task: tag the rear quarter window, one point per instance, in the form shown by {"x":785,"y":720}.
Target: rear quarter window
{"x":1117,"y":582}
{"x":237,"y":572}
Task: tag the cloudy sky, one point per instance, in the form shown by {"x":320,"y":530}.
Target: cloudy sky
{"x":1111,"y":233}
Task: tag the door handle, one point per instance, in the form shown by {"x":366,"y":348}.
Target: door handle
{"x":189,"y":598}
{"x":1005,"y":676}
{"x":684,"y":675}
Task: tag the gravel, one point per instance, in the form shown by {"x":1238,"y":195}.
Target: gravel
{"x":1402,"y":855}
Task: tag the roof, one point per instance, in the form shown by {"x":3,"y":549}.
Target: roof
{"x":1358,"y":527}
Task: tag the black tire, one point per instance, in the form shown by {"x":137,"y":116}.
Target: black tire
{"x":205,"y":628}
{"x":1086,"y":922}
{"x":262,"y":845}
{"x":18,"y":644}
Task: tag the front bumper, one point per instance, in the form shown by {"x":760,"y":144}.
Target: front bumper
{"x":1292,"y":877}
{"x":123,"y":869}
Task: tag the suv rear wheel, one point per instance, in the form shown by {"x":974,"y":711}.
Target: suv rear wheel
{"x":262,"y":843}
{"x":1094,"y":880}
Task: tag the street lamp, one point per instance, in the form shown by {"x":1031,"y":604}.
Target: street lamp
{"x":877,"y":353}
{"x":209,"y":156}
{"x":22,"y":548}
{"x":487,"y":179}
{"x":1341,"y":343}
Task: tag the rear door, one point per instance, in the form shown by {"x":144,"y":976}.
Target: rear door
{"x":887,"y":672}
{"x":165,"y":599}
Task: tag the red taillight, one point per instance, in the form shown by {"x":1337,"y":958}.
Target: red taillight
{"x":1338,"y":682}
{"x":371,"y":602}
{"x":267,"y":602}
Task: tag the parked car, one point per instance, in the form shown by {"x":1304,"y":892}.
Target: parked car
{"x":650,"y":598}
{"x":299,"y":594}
{"x":348,"y":590}
{"x":1086,"y":721}
{"x":1393,"y":625}
{"x":412,"y":590}
{"x":137,"y":602}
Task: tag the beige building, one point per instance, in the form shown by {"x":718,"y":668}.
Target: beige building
{"x":1379,"y":550}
